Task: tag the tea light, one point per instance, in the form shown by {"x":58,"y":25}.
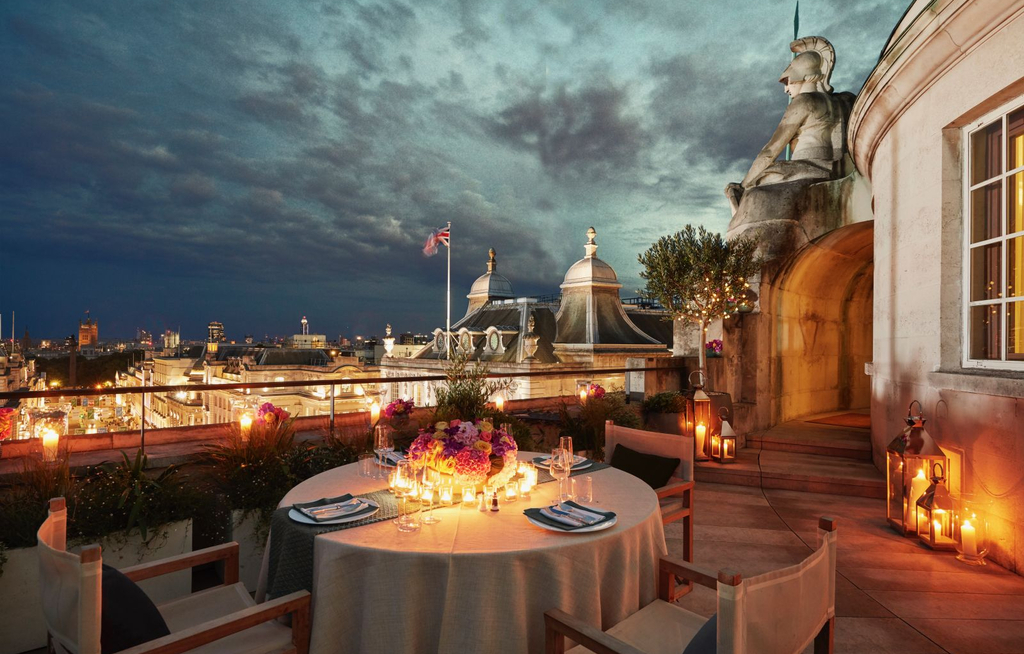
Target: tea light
{"x":245,"y":422}
{"x":50,"y":441}
{"x":468,"y":495}
{"x":427,"y":494}
{"x":525,"y":486}
{"x":392,"y":481}
{"x":511,"y":491}
{"x":446,"y":495}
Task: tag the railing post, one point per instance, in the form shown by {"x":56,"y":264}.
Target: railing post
{"x":142,"y":427}
{"x":332,"y":412}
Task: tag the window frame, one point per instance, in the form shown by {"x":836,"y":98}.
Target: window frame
{"x":1000,"y":114}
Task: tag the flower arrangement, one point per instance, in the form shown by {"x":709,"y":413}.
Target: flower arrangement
{"x":6,"y":422}
{"x":595,"y":391}
{"x":468,"y":450}
{"x":714,"y":347}
{"x":398,"y":409}
{"x":271,"y":416}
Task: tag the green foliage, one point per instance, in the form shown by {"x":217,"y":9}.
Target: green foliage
{"x":586,"y":426}
{"x":306,"y":460}
{"x":697,"y":275}
{"x":255,"y":473}
{"x":667,"y":402}
{"x":466,"y":390}
{"x":23,"y":506}
{"x":88,"y":372}
{"x":521,"y":432}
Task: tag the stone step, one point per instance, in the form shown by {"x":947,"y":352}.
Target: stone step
{"x":813,"y":438}
{"x":796,"y":471}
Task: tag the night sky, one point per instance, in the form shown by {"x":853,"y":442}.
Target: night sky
{"x":166,"y":164}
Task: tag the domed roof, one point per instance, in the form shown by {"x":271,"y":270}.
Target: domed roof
{"x":491,"y":284}
{"x":590,"y":270}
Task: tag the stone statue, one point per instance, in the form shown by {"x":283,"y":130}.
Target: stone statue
{"x":814,"y":125}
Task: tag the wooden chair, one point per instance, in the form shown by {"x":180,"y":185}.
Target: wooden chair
{"x":675,"y":497}
{"x":223,"y":619}
{"x":779,"y":612}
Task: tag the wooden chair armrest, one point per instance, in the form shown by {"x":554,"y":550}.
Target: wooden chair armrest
{"x":674,"y":487}
{"x":690,"y":572}
{"x":558,"y":624}
{"x":212,"y":630}
{"x":227,"y":552}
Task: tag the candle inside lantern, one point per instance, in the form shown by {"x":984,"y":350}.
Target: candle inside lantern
{"x":468,"y":494}
{"x":716,"y":446}
{"x":374,"y":412}
{"x":968,"y":539}
{"x":245,"y":423}
{"x":583,"y":396}
{"x":499,"y":403}
{"x":50,"y":441}
{"x":700,"y":432}
{"x":727,"y":452}
{"x":918,"y":485}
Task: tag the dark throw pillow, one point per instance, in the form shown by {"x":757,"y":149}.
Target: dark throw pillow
{"x":705,"y":641}
{"x":655,"y":470}
{"x":129,"y":617}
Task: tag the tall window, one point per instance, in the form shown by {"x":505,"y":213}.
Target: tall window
{"x":994,"y":241}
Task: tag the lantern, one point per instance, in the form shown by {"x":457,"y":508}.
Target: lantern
{"x":701,"y":412}
{"x":582,"y":390}
{"x":935,"y":513}
{"x":50,"y":426}
{"x":970,"y":530}
{"x":723,"y":446}
{"x":907,"y":459}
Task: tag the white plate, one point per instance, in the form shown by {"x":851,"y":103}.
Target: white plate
{"x":601,"y":526}
{"x":576,"y":466}
{"x":299,"y":516}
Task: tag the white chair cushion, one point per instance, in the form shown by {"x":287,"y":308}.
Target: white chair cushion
{"x":217,"y":603}
{"x":658,"y":628}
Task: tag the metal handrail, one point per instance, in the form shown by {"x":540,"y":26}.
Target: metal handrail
{"x":130,"y":390}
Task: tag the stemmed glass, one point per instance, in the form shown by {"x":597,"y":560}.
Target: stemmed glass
{"x":431,"y":480}
{"x":383,"y":444}
{"x":561,"y":465}
{"x":404,"y":478}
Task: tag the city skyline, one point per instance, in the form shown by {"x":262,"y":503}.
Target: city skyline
{"x":185,"y":163}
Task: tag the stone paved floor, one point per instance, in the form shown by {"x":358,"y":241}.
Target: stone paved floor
{"x":892,"y":595}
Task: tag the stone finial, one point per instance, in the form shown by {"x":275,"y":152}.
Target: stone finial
{"x":531,"y":324}
{"x":492,"y":263}
{"x":591,"y":246}
{"x":387,"y":330}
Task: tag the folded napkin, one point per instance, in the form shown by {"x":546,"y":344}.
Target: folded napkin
{"x":554,"y":516}
{"x":340,"y":507}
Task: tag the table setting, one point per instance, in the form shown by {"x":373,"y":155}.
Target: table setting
{"x":439,"y":533}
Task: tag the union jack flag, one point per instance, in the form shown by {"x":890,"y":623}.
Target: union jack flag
{"x":437,"y":237}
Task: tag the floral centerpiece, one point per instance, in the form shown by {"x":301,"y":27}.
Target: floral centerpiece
{"x":473,"y":452}
{"x":714,"y":347}
{"x":271,"y":416}
{"x":398,"y":409}
{"x":595,"y":391}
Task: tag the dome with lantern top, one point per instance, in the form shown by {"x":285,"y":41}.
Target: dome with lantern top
{"x":489,"y":286}
{"x":590,"y":270}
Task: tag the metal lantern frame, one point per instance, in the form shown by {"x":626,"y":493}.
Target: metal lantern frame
{"x":698,"y":409}
{"x":934,"y":515}
{"x":911,"y":451}
{"x":723,"y":446}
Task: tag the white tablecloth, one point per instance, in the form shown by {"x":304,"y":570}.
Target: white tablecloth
{"x":477,"y":582}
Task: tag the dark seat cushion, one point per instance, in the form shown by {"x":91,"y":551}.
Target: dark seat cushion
{"x":655,"y":470}
{"x":705,"y":641}
{"x":129,"y":617}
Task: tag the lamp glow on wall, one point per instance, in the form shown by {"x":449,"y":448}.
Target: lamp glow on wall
{"x":374,"y":412}
{"x":907,"y":459}
{"x":701,"y":419}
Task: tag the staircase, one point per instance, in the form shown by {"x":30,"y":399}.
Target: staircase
{"x":804,"y":456}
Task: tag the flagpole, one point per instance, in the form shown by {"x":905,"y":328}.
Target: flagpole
{"x":796,"y":35}
{"x":448,"y":317}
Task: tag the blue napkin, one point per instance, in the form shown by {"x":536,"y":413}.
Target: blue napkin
{"x":539,"y":516}
{"x":303,"y":508}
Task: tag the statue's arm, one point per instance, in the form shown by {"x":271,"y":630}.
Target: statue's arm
{"x":784,"y":134}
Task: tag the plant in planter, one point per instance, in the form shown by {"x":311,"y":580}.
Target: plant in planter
{"x":698,"y":276}
{"x":466,"y":390}
{"x":661,"y":411}
{"x":586,"y":425}
{"x":713,"y":348}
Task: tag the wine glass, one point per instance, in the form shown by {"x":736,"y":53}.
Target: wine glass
{"x":565,"y":443}
{"x":383,"y":443}
{"x":561,"y":465}
{"x":431,"y":480}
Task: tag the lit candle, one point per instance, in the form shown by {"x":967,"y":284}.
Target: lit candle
{"x":245,"y":422}
{"x":374,"y":412}
{"x":393,"y":481}
{"x":918,"y":485}
{"x":499,"y":404}
{"x":716,"y":446}
{"x":468,"y":495}
{"x":427,"y":494}
{"x":511,"y":491}
{"x":727,"y":452}
{"x":968,"y":539}
{"x":700,"y":432}
{"x":50,"y":441}
{"x":583,"y":396}
{"x":525,"y":486}
{"x":446,"y":495}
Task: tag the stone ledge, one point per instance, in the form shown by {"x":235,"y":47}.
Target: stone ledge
{"x":1003,"y":383}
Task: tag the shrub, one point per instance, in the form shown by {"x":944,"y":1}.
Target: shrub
{"x":666,"y":402}
{"x":586,"y":427}
{"x":466,"y":390}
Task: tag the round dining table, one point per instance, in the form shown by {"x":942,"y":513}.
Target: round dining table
{"x":477,"y":581}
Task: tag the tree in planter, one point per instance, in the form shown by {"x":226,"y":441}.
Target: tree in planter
{"x":697,"y":275}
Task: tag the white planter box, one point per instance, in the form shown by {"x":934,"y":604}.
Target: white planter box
{"x":252,"y":540}
{"x":21,"y":611}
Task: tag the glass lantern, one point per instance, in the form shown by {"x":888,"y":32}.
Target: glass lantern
{"x":583,"y":390}
{"x":907,"y":459}
{"x":50,"y":426}
{"x":935,"y":517}
{"x":723,"y":446}
{"x":700,"y":413}
{"x":970,"y":530}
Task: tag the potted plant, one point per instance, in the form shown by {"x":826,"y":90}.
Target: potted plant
{"x":713,"y":348}
{"x":662,"y":412}
{"x":585,"y":422}
{"x":698,"y":276}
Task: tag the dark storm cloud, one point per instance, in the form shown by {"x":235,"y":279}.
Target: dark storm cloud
{"x":222,"y":151}
{"x":585,"y":132}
